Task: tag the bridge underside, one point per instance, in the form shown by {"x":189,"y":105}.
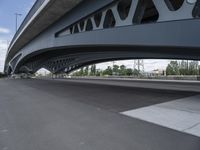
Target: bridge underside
{"x":69,"y":59}
{"x":113,"y":30}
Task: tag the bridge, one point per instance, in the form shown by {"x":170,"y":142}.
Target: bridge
{"x":67,"y":34}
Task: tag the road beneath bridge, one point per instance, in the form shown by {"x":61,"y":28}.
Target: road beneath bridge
{"x":83,"y":114}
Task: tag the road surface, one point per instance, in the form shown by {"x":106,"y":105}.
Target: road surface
{"x":86,"y":115}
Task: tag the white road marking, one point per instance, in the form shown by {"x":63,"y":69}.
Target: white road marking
{"x":182,"y":115}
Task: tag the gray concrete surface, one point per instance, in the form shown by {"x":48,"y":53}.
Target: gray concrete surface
{"x":51,"y":114}
{"x":185,"y":85}
{"x":182,"y":115}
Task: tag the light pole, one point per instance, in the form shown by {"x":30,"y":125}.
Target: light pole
{"x":16,"y":20}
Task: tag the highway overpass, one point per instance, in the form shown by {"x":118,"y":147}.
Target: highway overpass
{"x":67,"y":34}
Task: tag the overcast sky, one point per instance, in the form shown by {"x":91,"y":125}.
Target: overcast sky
{"x":149,"y":65}
{"x":8,"y":8}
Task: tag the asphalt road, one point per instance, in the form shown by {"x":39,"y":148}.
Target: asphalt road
{"x":84,"y":115}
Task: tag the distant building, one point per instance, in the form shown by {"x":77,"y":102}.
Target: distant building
{"x":157,"y":72}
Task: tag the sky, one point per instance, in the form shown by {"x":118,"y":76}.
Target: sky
{"x":149,"y":64}
{"x":8,"y":8}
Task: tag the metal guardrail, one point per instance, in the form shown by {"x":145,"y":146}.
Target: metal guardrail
{"x":188,"y":77}
{"x":33,"y":10}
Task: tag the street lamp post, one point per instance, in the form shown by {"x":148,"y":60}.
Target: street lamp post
{"x":16,"y":20}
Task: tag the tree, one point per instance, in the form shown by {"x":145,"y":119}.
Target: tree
{"x":122,"y":70}
{"x":115,"y":70}
{"x":86,"y":71}
{"x":183,"y":68}
{"x":81,"y":72}
{"x":136,"y":72}
{"x":193,"y":68}
{"x":108,"y":71}
{"x":99,"y":72}
{"x":93,"y":70}
{"x":173,"y":68}
{"x":129,"y":72}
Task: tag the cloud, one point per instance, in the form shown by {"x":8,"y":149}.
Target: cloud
{"x":4,"y":30}
{"x":3,"y":44}
{"x":3,"y":51}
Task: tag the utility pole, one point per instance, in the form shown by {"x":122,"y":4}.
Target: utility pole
{"x":113,"y":63}
{"x":16,"y":20}
{"x":139,"y":65}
